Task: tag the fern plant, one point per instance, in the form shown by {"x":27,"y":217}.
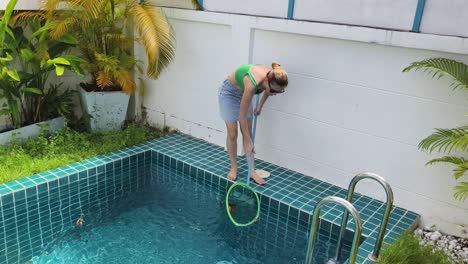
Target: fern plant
{"x":448,"y":141}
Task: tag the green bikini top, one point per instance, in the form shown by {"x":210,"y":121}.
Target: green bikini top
{"x":240,"y":74}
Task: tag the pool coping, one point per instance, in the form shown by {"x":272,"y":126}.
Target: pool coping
{"x":191,"y":151}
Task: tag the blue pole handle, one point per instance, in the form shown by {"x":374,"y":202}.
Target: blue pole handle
{"x":253,"y":140}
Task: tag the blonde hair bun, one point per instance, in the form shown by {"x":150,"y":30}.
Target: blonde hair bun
{"x":275,"y":65}
{"x":278,"y":75}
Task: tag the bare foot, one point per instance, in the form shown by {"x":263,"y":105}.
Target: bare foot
{"x":232,"y":175}
{"x":254,"y":176}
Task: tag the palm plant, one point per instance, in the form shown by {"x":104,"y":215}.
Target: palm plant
{"x":448,"y":141}
{"x":105,"y":41}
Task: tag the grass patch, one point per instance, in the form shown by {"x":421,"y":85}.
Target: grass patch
{"x":21,"y":159}
{"x":406,"y":250}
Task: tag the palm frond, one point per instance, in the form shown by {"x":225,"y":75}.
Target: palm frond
{"x":445,"y":140}
{"x":109,"y":64}
{"x":22,"y":18}
{"x":125,"y":80}
{"x":61,"y":27}
{"x":461,"y":191}
{"x":42,"y":53}
{"x":439,"y":67}
{"x":460,"y":162}
{"x":94,"y":8}
{"x":128,"y":62}
{"x":76,"y":12}
{"x":460,"y":170}
{"x":156,"y":35}
{"x":120,"y":40}
{"x":103,"y":80}
{"x":49,"y":5}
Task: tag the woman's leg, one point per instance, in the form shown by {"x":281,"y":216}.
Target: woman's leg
{"x":231,"y":145}
{"x":253,"y":174}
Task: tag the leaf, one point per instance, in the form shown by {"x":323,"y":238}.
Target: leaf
{"x":69,"y":39}
{"x":157,"y":36}
{"x":41,"y":30}
{"x":59,"y":60}
{"x":461,"y":164}
{"x":461,"y":191}
{"x":445,"y":140}
{"x":73,"y":58}
{"x":59,"y":70}
{"x":77,"y":69}
{"x":7,"y":58}
{"x":26,"y":54}
{"x":33,"y":90}
{"x":439,"y":67}
{"x":10,"y":33}
{"x":13,"y":74}
{"x":125,"y":80}
{"x":103,"y":80}
{"x":6,"y":19}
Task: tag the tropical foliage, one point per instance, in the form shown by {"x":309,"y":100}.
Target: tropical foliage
{"x":105,"y":39}
{"x":452,"y":141}
{"x":28,"y":59}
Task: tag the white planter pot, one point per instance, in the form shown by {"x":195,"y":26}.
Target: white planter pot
{"x":34,"y":130}
{"x":106,"y":110}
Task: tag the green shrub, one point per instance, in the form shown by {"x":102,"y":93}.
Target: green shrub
{"x":406,"y":250}
{"x":21,"y":159}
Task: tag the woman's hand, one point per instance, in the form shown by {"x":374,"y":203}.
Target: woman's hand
{"x":257,"y":111}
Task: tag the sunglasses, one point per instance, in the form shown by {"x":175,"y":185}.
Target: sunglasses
{"x":273,"y":91}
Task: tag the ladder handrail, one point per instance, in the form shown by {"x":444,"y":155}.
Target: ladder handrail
{"x":349,"y":208}
{"x":383,"y":226}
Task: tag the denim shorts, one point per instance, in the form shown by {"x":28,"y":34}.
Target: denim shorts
{"x":229,"y":98}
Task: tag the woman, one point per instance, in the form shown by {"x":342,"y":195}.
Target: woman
{"x":235,"y":97}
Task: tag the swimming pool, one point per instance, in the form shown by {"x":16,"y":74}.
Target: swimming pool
{"x":174,"y":219}
{"x":163,"y":201}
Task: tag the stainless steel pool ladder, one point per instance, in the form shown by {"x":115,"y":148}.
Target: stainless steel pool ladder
{"x":349,"y":208}
{"x":378,"y":244}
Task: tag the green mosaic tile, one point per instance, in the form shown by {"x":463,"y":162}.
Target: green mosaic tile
{"x":13,"y":186}
{"x":26,"y":182}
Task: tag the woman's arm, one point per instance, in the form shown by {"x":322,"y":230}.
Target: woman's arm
{"x":258,"y":109}
{"x":246,"y":100}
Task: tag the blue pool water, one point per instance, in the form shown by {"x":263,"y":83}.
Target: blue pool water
{"x":176,"y":219}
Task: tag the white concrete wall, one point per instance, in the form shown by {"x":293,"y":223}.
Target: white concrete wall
{"x":269,"y":8}
{"x":187,"y":4}
{"x":348,"y":109}
{"x":439,"y":17}
{"x":394,"y":14}
{"x":448,"y":17}
{"x":22,"y":4}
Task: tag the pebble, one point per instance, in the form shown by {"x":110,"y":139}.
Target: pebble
{"x":455,"y":247}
